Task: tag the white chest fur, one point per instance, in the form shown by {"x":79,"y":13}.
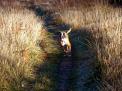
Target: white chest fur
{"x":64,"y":41}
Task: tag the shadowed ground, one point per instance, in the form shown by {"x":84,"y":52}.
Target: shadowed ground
{"x":64,"y":73}
{"x":85,"y":66}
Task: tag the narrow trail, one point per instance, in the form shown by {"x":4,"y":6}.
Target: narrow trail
{"x":65,"y":64}
{"x":65,"y":68}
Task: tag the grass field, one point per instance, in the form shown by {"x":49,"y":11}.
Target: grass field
{"x":30,"y":55}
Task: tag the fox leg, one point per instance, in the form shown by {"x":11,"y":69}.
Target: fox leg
{"x":68,"y":49}
{"x":65,"y":48}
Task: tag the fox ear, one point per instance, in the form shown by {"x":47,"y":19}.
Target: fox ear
{"x":69,"y":30}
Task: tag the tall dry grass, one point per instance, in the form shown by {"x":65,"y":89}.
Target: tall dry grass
{"x":107,"y":43}
{"x":63,"y":4}
{"x":108,"y":46}
{"x":24,"y":44}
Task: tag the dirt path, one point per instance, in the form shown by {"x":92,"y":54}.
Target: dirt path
{"x":65,"y":64}
{"x":65,"y":68}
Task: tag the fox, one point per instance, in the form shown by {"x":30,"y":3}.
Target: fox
{"x":65,"y":42}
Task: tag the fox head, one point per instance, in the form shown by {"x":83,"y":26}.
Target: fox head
{"x":64,"y":40}
{"x":64,"y":35}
